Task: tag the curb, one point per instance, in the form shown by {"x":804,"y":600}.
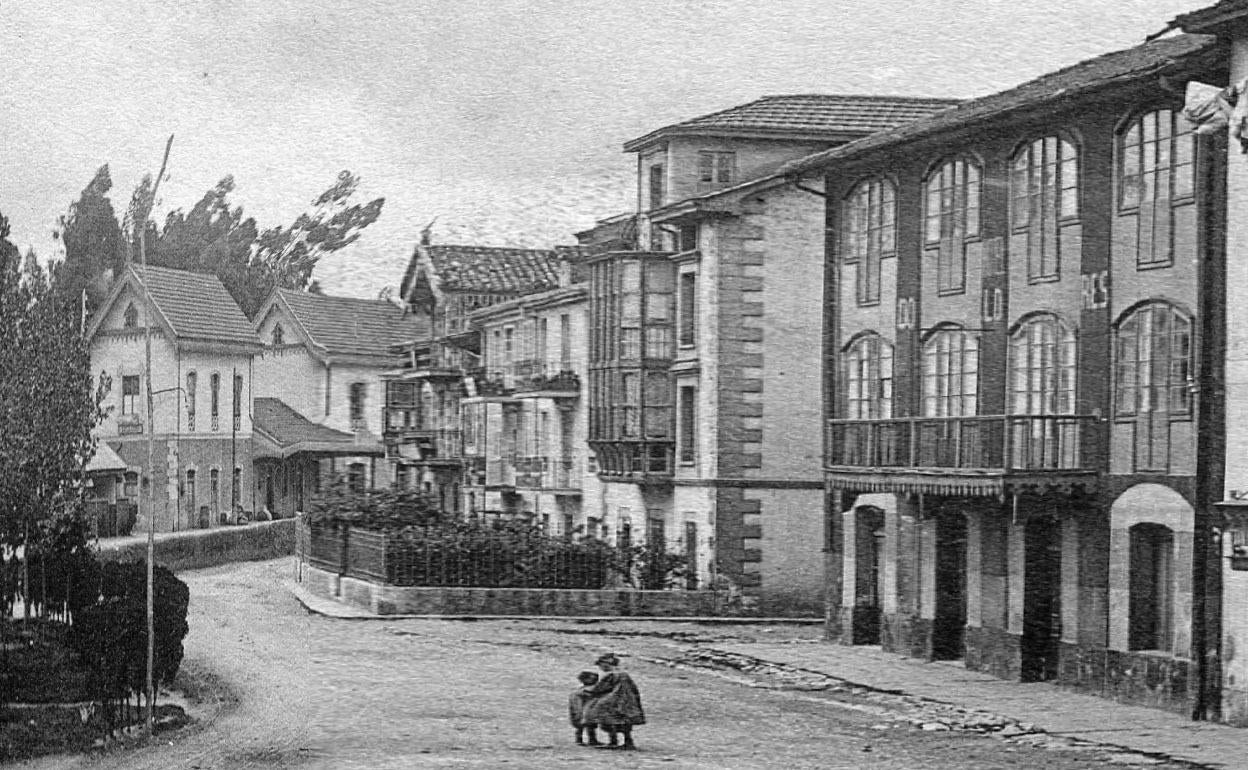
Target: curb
{"x":334,"y":609}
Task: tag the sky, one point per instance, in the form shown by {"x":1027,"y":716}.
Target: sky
{"x":502,"y":119}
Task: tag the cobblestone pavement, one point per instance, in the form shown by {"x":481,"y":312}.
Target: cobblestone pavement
{"x":277,"y":686}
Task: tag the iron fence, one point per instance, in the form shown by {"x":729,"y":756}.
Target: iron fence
{"x":455,"y":556}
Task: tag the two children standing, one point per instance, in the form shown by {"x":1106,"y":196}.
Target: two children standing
{"x":610,"y":701}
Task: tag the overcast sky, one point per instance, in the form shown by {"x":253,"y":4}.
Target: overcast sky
{"x":504,"y":118}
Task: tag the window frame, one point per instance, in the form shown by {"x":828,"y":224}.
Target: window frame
{"x":1172,"y":149}
{"x":869,"y":233}
{"x":1143,"y":398}
{"x":1044,"y":198}
{"x":933,"y":375}
{"x":130,"y":395}
{"x":955,"y":207}
{"x":1050,"y":370}
{"x":868,"y":371}
{"x":717,"y":167}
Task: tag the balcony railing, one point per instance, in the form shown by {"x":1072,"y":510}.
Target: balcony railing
{"x":1024,"y":443}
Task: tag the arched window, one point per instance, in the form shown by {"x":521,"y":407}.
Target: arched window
{"x":130,"y":319}
{"x":1156,"y":173}
{"x":950,"y":218}
{"x":869,"y":378}
{"x":951,"y":373}
{"x":1044,"y":189}
{"x":1153,"y":362}
{"x":1042,"y":367}
{"x":869,"y":234}
{"x":279,"y":335}
{"x":192,"y":381}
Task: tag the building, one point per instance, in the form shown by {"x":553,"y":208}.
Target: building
{"x":424,"y":423}
{"x":704,"y":308}
{"x":319,"y":392}
{"x":202,"y":354}
{"x":524,"y":435}
{"x":1022,"y":347}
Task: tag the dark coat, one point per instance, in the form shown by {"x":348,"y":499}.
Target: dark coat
{"x":615,"y":701}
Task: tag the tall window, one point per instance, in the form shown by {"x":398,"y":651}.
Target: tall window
{"x":869,"y":378}
{"x":130,"y":318}
{"x":192,"y":380}
{"x":1044,"y":186}
{"x":688,"y":423}
{"x":214,"y":392}
{"x":238,"y":402}
{"x":869,"y":227}
{"x":688,"y":299}
{"x":279,"y":336}
{"x":214,"y":489}
{"x":1153,"y":361}
{"x":1042,"y":367}
{"x":951,"y":373}
{"x":950,"y":219}
{"x":190,"y":495}
{"x":357,"y":394}
{"x":540,"y":343}
{"x":565,"y":342}
{"x":1156,"y":172}
{"x":130,"y":394}
{"x":658,"y":186}
{"x":716,"y":167}
{"x":1151,"y":605}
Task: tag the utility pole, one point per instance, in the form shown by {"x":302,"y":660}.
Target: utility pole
{"x":150,"y":497}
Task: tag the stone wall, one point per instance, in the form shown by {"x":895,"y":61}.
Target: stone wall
{"x":199,"y":548}
{"x":402,"y":600}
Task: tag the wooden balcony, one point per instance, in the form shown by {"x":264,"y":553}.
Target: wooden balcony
{"x":979,"y":456}
{"x":546,"y":473}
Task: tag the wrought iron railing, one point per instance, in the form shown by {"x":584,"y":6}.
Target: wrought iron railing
{"x":998,"y":442}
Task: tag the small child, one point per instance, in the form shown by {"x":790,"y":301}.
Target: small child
{"x":576,"y":709}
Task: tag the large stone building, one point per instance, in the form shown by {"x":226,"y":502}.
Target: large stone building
{"x":1022,"y":347}
{"x":704,"y":309}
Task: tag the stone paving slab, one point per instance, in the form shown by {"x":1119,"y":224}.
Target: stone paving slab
{"x":1050,"y":708}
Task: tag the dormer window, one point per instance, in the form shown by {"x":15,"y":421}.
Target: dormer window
{"x":279,"y":335}
{"x":130,"y":319}
{"x":716,"y":167}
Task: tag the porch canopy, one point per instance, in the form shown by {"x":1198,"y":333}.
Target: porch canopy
{"x":105,"y":460}
{"x":281,"y":432}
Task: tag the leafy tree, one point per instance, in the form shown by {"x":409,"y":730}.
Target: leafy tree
{"x":48,"y":402}
{"x":215,"y":237}
{"x":94,"y":248}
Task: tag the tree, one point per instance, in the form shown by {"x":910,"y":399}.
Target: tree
{"x":48,"y":403}
{"x":214,"y":237}
{"x":94,"y":248}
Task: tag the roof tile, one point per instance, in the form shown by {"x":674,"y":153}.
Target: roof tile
{"x":346,"y":325}
{"x":196,"y":304}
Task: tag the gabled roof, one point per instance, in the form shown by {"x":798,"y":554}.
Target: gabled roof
{"x":832,"y":116}
{"x":488,"y":269}
{"x":193,"y":305}
{"x":285,"y":432}
{"x":1151,"y":58}
{"x":349,"y":326}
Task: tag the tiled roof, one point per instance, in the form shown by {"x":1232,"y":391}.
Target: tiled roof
{"x":1152,"y":57}
{"x":1207,"y":19}
{"x":196,"y":304}
{"x":291,"y":432}
{"x":492,"y":269}
{"x":345,"y":325}
{"x":808,"y":114}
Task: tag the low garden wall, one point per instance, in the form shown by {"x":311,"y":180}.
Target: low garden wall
{"x":198,"y":548}
{"x":383,"y":599}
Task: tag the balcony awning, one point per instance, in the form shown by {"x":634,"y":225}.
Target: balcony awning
{"x":958,"y":482}
{"x":281,"y":432}
{"x":105,"y":460}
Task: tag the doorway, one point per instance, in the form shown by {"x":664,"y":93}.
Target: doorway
{"x":949,"y":624}
{"x":1042,"y":607}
